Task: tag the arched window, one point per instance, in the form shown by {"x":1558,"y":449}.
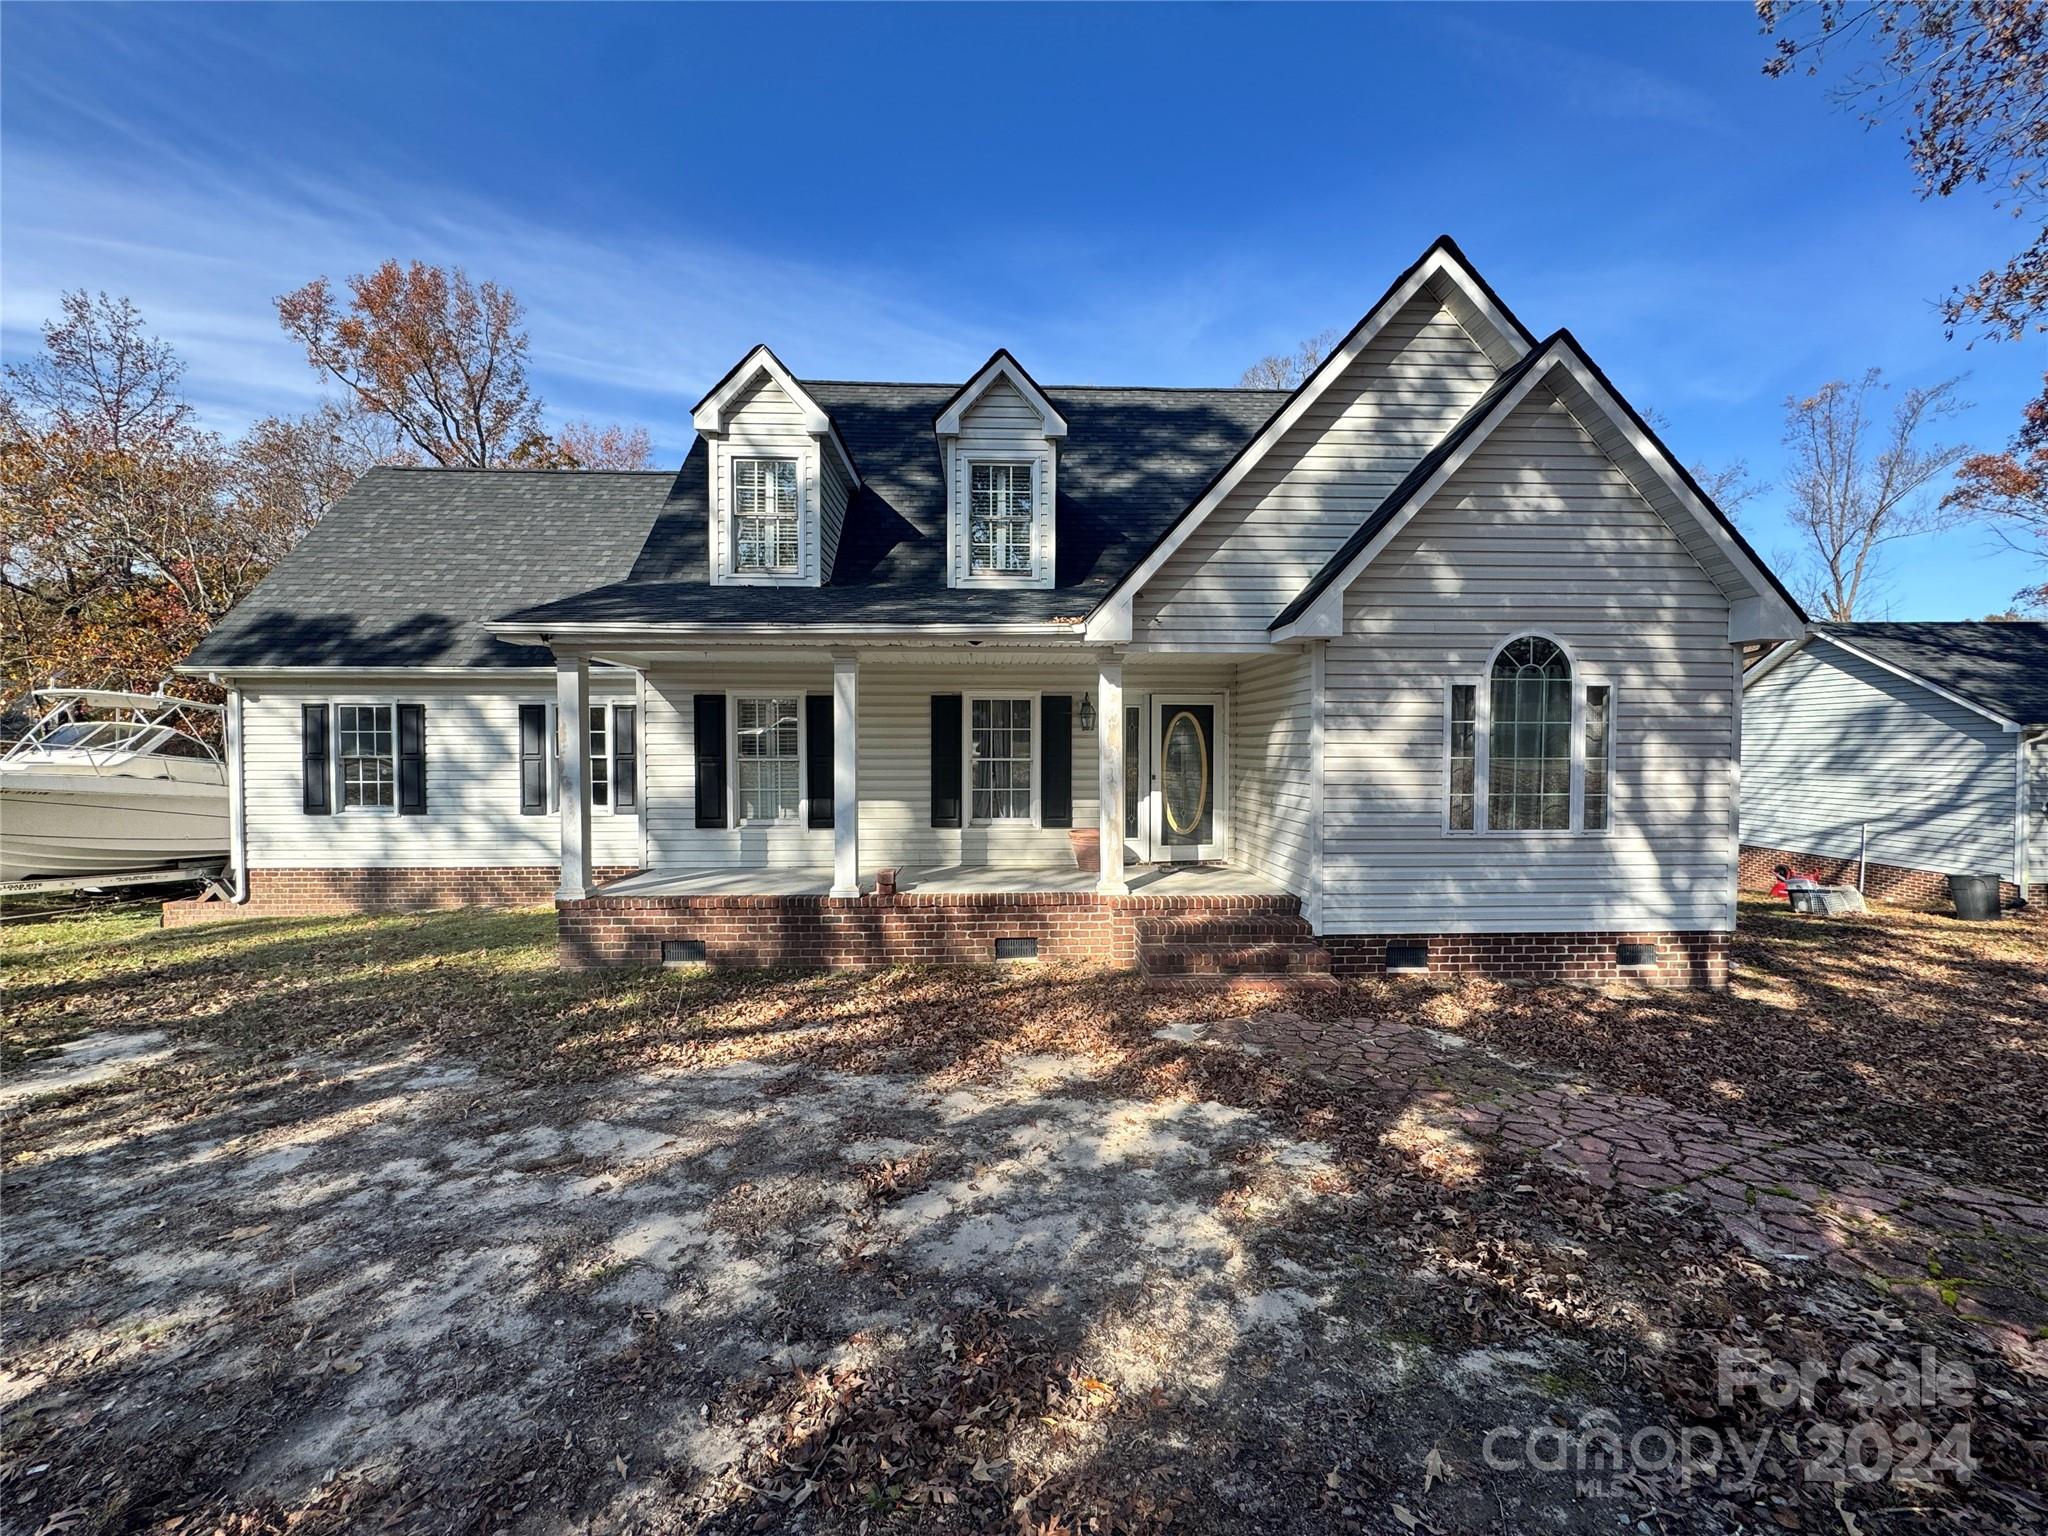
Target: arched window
{"x":1529,"y":787}
{"x":1529,"y":747}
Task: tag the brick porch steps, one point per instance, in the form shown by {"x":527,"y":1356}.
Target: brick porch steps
{"x":1229,"y":946}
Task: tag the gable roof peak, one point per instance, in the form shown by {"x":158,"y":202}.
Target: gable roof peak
{"x":1001,"y":366}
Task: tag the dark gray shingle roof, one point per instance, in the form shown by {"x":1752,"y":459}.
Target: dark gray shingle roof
{"x":1999,"y":667}
{"x":1132,"y":461}
{"x":408,"y":567}
{"x":405,"y":568}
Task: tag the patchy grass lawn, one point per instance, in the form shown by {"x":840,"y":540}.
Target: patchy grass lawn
{"x":390,"y":1224}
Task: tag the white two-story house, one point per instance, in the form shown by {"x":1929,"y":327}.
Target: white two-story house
{"x":1432,"y":663}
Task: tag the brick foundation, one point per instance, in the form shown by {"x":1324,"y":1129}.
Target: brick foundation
{"x":1925,"y":888}
{"x":418,"y":888}
{"x":1683,"y":959}
{"x":865,"y":931}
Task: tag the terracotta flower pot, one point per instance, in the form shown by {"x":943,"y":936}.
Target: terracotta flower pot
{"x":1087,"y":848}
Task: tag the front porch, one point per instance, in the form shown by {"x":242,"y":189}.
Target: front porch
{"x":1174,"y":922}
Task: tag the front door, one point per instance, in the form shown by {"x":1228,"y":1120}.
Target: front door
{"x":1186,"y":767}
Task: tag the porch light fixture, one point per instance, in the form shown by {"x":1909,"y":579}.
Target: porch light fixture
{"x":1087,"y":712}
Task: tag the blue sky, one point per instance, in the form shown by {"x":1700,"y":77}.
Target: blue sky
{"x":1120,"y":195}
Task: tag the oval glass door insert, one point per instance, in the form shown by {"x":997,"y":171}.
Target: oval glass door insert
{"x":1184,"y":773}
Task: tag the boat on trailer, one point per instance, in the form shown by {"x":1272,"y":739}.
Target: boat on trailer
{"x":111,"y":789}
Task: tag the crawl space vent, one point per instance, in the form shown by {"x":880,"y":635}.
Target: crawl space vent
{"x":1636,"y":957}
{"x":1407,"y":957}
{"x":1016,"y":949}
{"x":682,"y":951}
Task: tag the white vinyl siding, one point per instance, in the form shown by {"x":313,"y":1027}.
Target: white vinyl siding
{"x":835,"y":490}
{"x":472,"y":777}
{"x":1256,"y":551}
{"x":1539,"y":531}
{"x":1272,"y":793}
{"x":1001,"y":428}
{"x":1832,"y":743}
{"x":764,"y":423}
{"x":895,"y":765}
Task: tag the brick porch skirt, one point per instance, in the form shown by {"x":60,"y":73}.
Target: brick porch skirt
{"x":957,"y":928}
{"x":1895,"y":883}
{"x":421,"y":888}
{"x":1682,"y":959}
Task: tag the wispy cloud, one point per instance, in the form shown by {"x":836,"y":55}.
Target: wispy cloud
{"x":634,"y":326}
{"x":1583,"y":83}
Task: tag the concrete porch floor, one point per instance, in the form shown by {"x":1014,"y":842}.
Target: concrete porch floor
{"x":946,"y":880}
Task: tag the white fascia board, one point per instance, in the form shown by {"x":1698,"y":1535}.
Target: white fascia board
{"x":1918,"y":682}
{"x":382,"y":674}
{"x":780,"y":634}
{"x":1439,"y":263}
{"x":709,"y":416}
{"x":1324,"y":618}
{"x":1001,"y":366}
{"x":1775,"y":660}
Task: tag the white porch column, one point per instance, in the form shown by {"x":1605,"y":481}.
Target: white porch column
{"x":845,"y":775}
{"x":1109,"y":773}
{"x":572,"y":754}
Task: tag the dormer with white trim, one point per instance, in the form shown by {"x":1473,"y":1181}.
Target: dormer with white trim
{"x":999,"y":447}
{"x":780,"y":478}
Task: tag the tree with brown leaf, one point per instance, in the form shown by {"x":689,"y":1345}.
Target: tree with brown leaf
{"x":444,"y":358}
{"x":1969,"y":80}
{"x":585,"y":445}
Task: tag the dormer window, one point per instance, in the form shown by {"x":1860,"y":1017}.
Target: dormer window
{"x":999,"y":443}
{"x":779,"y":477}
{"x":766,"y":523}
{"x":1000,"y":514}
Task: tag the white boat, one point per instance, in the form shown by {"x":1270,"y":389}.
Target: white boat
{"x":114,"y":784}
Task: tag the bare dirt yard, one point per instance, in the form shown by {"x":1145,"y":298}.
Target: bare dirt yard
{"x":388,"y":1224}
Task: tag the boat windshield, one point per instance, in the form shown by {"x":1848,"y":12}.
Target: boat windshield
{"x":104,"y":735}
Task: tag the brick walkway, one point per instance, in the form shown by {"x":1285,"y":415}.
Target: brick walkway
{"x":1978,"y":1248}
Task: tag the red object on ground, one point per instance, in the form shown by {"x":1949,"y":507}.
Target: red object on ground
{"x":1783,"y":886}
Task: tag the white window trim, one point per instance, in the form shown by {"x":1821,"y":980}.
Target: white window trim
{"x":1007,"y":695}
{"x":1482,"y":747}
{"x":611,"y":708}
{"x":734,"y":455}
{"x":801,"y":816}
{"x":334,"y":709}
{"x":1030,"y":576}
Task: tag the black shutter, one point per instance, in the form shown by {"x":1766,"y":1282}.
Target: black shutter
{"x":710,"y":745}
{"x":625,"y":758}
{"x":818,"y":759}
{"x":318,"y":794}
{"x":412,"y":760}
{"x":946,"y":751}
{"x":533,"y":759}
{"x":1056,"y":760}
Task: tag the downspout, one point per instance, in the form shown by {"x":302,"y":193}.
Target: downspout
{"x":2019,"y":828}
{"x":238,"y":821}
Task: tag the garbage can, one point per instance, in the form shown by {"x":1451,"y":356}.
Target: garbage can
{"x":1975,"y":896}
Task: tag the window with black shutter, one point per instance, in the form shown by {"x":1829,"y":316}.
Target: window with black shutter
{"x":533,"y":759}
{"x":625,"y":758}
{"x":709,"y":743}
{"x":317,"y":793}
{"x":947,"y":746}
{"x":412,"y":760}
{"x":1056,"y":760}
{"x":818,"y":758}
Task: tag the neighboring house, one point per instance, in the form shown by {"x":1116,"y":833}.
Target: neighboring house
{"x":1916,"y":750}
{"x":1431,"y":662}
